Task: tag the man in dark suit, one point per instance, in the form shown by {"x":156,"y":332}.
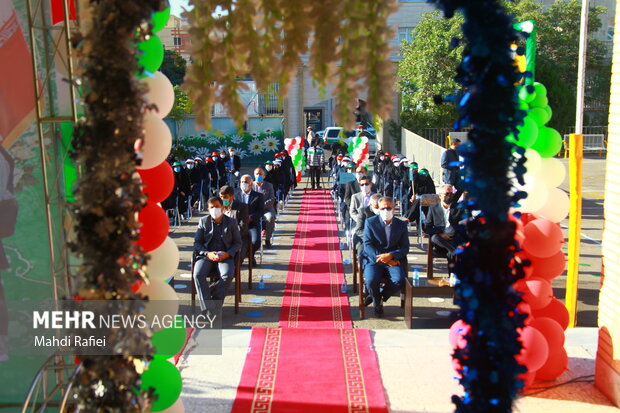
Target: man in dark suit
{"x":216,"y":242}
{"x":238,"y":211}
{"x":353,"y":187}
{"x":443,"y":221}
{"x":449,"y":165}
{"x":267,"y":190}
{"x":386,"y":245}
{"x":368,"y":212}
{"x":233,"y":165}
{"x":256,"y":207}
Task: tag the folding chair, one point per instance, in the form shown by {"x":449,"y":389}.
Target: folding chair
{"x":176,"y":215}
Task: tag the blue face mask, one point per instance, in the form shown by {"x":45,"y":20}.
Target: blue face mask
{"x":177,"y":169}
{"x":259,"y":178}
{"x":190,"y":166}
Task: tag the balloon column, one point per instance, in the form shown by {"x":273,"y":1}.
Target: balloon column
{"x":358,"y":150}
{"x":295,"y":148}
{"x":158,"y":180}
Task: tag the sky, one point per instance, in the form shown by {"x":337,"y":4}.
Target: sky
{"x":177,"y":7}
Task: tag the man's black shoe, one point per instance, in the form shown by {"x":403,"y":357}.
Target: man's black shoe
{"x":367,"y":300}
{"x":267,"y":244}
{"x":254,"y":263}
{"x":379,"y":311}
{"x":385,"y":297}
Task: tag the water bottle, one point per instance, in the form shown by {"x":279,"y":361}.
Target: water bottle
{"x":261,"y":284}
{"x":416,"y":277}
{"x":343,"y":287}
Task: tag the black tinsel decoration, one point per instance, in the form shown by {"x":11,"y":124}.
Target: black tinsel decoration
{"x":108,"y":196}
{"x":486,"y":268}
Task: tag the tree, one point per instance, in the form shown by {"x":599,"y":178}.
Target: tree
{"x":427,"y":69}
{"x":174,"y":67}
{"x":429,"y":64}
{"x":181,"y":110}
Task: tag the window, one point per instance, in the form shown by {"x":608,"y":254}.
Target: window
{"x":610,"y":33}
{"x":269,"y":101}
{"x":177,"y":41}
{"x":405,"y":34}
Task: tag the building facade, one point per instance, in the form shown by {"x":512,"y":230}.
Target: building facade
{"x":175,"y":36}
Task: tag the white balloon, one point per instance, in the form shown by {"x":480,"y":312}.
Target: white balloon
{"x":163,"y":300}
{"x":164,"y":260}
{"x":537,"y":194}
{"x":552,"y":172}
{"x":161,"y":93}
{"x":157,"y":142}
{"x":557,"y":206}
{"x":177,"y":407}
{"x":533,"y":161}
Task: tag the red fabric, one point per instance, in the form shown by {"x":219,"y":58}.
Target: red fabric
{"x":310,"y":370}
{"x":312,"y":297}
{"x":58,"y":10}
{"x":16,"y":84}
{"x":315,"y":367}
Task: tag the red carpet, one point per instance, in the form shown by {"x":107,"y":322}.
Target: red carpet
{"x":312,"y":297}
{"x":314,"y":362}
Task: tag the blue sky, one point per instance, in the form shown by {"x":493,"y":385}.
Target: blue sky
{"x":177,"y":6}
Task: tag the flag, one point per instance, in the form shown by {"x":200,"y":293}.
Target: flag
{"x":17,"y":101}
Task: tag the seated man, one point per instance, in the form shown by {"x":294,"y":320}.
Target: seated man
{"x":443,"y":219}
{"x":216,"y":242}
{"x":386,"y":245}
{"x":361,"y":200}
{"x":256,"y":207}
{"x":269,"y":216}
{"x":368,"y":212}
{"x":238,"y":211}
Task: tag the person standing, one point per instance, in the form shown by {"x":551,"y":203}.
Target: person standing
{"x":310,"y":136}
{"x":269,"y":217}
{"x":256,"y":207}
{"x":221,"y":169}
{"x":233,"y":165}
{"x":315,"y":159}
{"x":450,"y":164}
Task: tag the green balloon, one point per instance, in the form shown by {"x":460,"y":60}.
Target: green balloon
{"x":538,"y":115}
{"x":540,"y":101}
{"x":540,"y":89}
{"x":525,"y":96}
{"x":152,"y":54}
{"x":528,"y":132}
{"x":523,"y":105}
{"x":549,"y":142}
{"x":165,"y":378}
{"x":168,"y":342}
{"x":160,"y":19}
{"x":549,"y":112}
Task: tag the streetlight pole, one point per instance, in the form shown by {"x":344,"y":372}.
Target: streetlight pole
{"x":575,"y":169}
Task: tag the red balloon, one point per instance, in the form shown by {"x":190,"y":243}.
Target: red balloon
{"x":556,"y":364}
{"x":522,"y":287}
{"x":519,"y":235}
{"x":540,"y":293}
{"x":155,"y":226}
{"x":457,"y":333}
{"x":535,"y":349}
{"x":550,"y":267}
{"x":526,"y":218}
{"x":158,"y":182}
{"x":542,"y":238}
{"x":552,"y":331}
{"x":527,"y":378}
{"x":556,"y":310}
{"x":456,"y":365}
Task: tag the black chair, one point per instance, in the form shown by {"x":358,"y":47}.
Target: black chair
{"x":213,"y":277}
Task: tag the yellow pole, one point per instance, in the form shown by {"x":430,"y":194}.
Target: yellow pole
{"x":575,"y":154}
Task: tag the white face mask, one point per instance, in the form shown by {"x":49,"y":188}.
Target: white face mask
{"x":231,"y":154}
{"x":215,"y":212}
{"x":190,"y":166}
{"x":268,"y":167}
{"x":245,"y":187}
{"x":359,"y":176}
{"x":375,"y":210}
{"x":222,"y":156}
{"x":382,"y":158}
{"x":366,"y":189}
{"x":386,"y":215}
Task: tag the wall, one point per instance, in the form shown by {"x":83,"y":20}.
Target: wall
{"x":607,"y":377}
{"x":424,"y":152}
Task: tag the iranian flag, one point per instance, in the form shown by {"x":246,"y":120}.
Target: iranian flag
{"x":17,"y":102}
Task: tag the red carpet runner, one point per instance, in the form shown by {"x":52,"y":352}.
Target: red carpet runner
{"x":314,"y":361}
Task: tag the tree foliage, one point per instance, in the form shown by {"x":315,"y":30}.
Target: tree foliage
{"x":174,"y":67}
{"x":429,"y":64}
{"x":182,"y":108}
